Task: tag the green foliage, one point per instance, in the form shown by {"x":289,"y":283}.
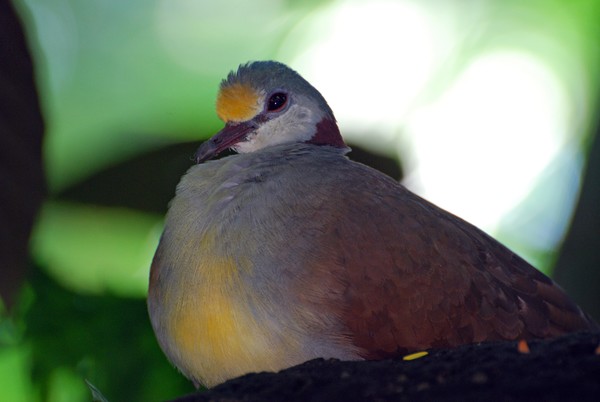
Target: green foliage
{"x":93,"y":249}
{"x":71,"y":337}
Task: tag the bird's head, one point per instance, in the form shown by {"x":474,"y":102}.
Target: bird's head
{"x":266,"y":103}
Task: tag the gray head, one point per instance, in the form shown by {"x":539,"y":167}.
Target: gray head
{"x":266,"y":103}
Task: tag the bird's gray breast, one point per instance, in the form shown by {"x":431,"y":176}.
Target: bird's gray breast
{"x":260,"y":203}
{"x":256,"y":189}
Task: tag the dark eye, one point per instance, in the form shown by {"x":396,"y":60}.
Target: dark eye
{"x":277,"y":101}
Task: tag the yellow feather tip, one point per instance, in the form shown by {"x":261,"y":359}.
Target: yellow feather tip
{"x":415,"y":356}
{"x":238,"y":102}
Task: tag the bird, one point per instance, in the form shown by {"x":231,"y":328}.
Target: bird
{"x":286,"y":250}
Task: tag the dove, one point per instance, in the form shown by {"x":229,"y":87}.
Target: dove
{"x":288,"y":251}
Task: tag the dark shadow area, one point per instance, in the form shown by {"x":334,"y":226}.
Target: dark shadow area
{"x":21,"y":131}
{"x":578,"y":266}
{"x":147,"y":182}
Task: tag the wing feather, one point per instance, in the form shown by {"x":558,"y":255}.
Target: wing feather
{"x":414,"y":276}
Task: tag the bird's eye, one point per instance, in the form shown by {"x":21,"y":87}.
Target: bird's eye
{"x":277,"y":101}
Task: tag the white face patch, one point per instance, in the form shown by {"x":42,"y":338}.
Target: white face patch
{"x":297,"y":124}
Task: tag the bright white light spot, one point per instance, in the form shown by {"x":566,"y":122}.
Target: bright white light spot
{"x":370,"y":61}
{"x":483,"y":143}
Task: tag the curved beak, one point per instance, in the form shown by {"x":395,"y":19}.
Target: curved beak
{"x":230,"y":135}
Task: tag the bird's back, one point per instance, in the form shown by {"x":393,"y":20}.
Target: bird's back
{"x":403,"y":274}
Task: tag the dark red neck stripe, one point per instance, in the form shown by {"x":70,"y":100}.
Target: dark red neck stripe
{"x":327,"y":133}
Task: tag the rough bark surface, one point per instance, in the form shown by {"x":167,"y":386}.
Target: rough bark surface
{"x":562,"y":369}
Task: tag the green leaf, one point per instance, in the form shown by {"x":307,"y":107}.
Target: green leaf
{"x":95,"y":249}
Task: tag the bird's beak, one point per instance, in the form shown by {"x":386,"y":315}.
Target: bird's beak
{"x":231,"y":134}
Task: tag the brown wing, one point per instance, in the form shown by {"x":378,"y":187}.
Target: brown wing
{"x":412,"y":276}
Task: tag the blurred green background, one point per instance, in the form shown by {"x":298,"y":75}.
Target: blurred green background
{"x":488,"y":108}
